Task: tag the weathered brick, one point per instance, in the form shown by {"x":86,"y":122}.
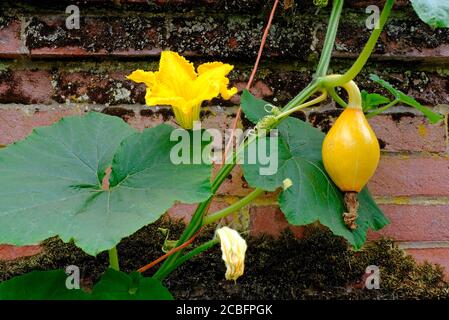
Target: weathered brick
{"x":427,"y":87}
{"x":412,"y":175}
{"x":9,"y":252}
{"x":415,"y":223}
{"x":133,"y":35}
{"x":93,"y":87}
{"x":397,"y":132}
{"x":25,"y":86}
{"x":433,"y":255}
{"x":271,"y":221}
{"x":16,"y":124}
{"x":10,"y":44}
{"x":402,"y":39}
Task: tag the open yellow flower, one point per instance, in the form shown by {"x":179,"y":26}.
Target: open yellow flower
{"x":233,"y":247}
{"x":177,"y":84}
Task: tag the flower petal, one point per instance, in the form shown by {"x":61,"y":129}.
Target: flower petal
{"x":176,"y":72}
{"x":233,"y":247}
{"x":141,"y":76}
{"x":214,"y":74}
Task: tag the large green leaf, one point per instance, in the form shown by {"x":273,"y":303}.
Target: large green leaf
{"x":51,"y":182}
{"x":312,"y":195}
{"x":433,"y":12}
{"x":253,"y":108}
{"x":433,"y":117}
{"x":113,"y":285}
{"x":40,"y":285}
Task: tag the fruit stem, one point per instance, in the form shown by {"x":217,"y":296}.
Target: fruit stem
{"x":352,"y":205}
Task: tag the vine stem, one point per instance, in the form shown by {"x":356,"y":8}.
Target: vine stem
{"x":336,"y":97}
{"x":312,"y":102}
{"x":165,"y":256}
{"x":380,"y":110}
{"x":205,"y":246}
{"x":113,"y":259}
{"x":329,"y":41}
{"x":366,"y":52}
{"x":232,"y":208}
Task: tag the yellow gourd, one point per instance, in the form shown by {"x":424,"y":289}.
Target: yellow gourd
{"x":351,"y":153}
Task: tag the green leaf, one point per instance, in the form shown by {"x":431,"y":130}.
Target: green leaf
{"x":372,"y":100}
{"x":433,"y":117}
{"x":253,"y":108}
{"x":40,"y":285}
{"x":433,"y":12}
{"x":51,"y":182}
{"x":113,"y":285}
{"x":312,"y":196}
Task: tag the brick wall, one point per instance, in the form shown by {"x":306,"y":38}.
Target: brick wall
{"x":47,"y":72}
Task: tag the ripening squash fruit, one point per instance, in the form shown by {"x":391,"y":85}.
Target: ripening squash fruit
{"x":351,"y":150}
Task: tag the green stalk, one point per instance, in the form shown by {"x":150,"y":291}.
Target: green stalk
{"x":336,"y":97}
{"x":188,"y":256}
{"x":366,"y":52}
{"x":113,"y":259}
{"x":232,"y":208}
{"x":302,"y":96}
{"x":196,"y":221}
{"x":329,"y":41}
{"x":380,"y":110}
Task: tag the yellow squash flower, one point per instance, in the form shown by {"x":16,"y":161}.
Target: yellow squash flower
{"x":233,"y":247}
{"x":177,"y":84}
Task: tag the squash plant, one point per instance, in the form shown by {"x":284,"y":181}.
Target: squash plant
{"x":94,"y":180}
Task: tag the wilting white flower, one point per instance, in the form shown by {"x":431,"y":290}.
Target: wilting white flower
{"x":233,"y":247}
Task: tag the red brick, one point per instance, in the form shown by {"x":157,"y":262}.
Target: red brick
{"x":433,"y":255}
{"x":411,"y":176}
{"x":16,"y":124}
{"x":25,"y":86}
{"x":415,"y":223}
{"x":9,"y":252}
{"x":409,"y":133}
{"x":271,"y":221}
{"x":259,"y":89}
{"x":10,"y":44}
{"x":235,"y":184}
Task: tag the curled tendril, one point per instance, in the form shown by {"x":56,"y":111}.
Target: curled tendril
{"x":269,"y":108}
{"x":320,"y":3}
